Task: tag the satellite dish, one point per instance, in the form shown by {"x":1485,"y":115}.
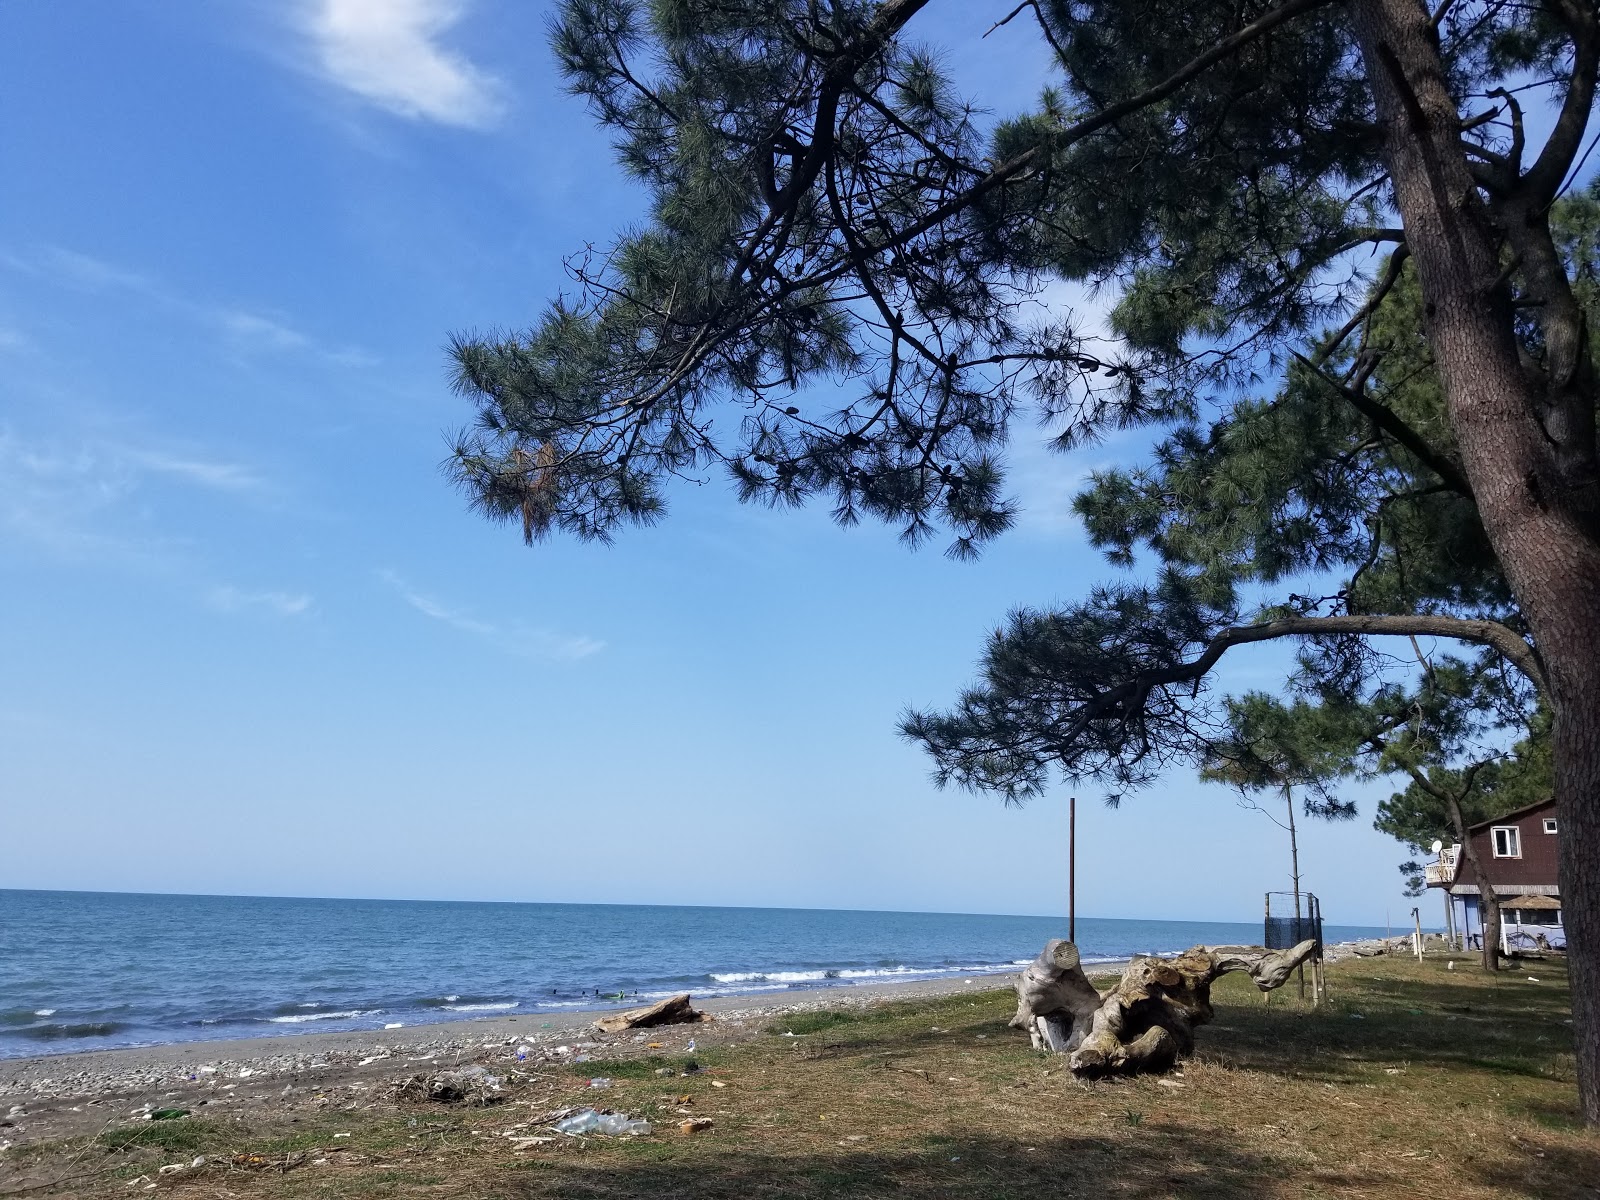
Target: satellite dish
{"x":1437,"y":845}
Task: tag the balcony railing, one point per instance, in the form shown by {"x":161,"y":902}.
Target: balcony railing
{"x":1436,"y":874}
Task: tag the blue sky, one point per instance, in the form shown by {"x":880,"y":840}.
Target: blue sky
{"x":253,"y":642}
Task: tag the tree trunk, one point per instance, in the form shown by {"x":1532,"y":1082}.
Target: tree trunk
{"x":1055,"y":1000}
{"x":1294,"y":871}
{"x":1146,"y":1023}
{"x":1490,"y":922}
{"x":1539,"y":516}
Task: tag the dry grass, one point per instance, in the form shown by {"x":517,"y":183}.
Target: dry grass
{"x":1448,"y":1084}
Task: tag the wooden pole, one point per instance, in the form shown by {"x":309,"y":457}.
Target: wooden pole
{"x":1072,"y":870}
{"x":1266,"y":997}
{"x":1416,"y":916}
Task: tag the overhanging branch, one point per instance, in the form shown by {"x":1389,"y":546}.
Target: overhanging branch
{"x":1480,"y":632}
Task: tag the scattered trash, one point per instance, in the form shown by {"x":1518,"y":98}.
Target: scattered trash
{"x":1168,"y":1083}
{"x":718,"y":1083}
{"x":168,"y":1114}
{"x":1531,"y":979}
{"x":691,"y":1067}
{"x":696,"y":1125}
{"x":655,"y":1045}
{"x":600,"y":1082}
{"x":588,"y":1120}
{"x":665,"y":1071}
{"x":474,"y":1085}
{"x":523,"y":1052}
{"x":395,"y":1025}
{"x":690,"y":1046}
{"x":1357,"y":1017}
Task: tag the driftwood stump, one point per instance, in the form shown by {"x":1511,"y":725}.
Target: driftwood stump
{"x":674,"y":1010}
{"x":1146,"y":1023}
{"x":1055,"y":1002}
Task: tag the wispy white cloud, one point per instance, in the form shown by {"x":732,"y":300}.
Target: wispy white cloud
{"x":224,"y":476}
{"x":240,"y":329}
{"x":71,"y":498}
{"x":389,"y":53}
{"x":257,"y":330}
{"x":283,"y":604}
{"x":524,"y":640}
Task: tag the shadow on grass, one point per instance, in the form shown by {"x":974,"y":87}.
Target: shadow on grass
{"x":1514,"y":1028}
{"x":1161,"y":1161}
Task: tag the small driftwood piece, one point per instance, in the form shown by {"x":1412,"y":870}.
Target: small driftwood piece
{"x":674,"y":1010}
{"x":1146,"y":1023}
{"x":1055,"y":1001}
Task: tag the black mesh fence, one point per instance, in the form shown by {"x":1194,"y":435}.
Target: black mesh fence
{"x":1284,"y":929}
{"x":1283,"y":932}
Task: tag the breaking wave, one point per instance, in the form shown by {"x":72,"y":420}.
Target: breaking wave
{"x":298,"y":1018}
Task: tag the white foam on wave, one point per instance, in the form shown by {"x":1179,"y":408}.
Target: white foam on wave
{"x":821,"y":975}
{"x":297,"y":1018}
{"x":44,"y":1012}
{"x":498,"y":1007}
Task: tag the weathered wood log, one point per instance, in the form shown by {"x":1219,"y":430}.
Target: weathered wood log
{"x":674,"y":1010}
{"x":1055,"y":1001}
{"x":1146,"y":1023}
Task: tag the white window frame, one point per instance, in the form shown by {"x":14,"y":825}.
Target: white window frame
{"x":1514,"y":842}
{"x":1549,"y":824}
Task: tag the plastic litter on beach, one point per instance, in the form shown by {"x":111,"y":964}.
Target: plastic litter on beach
{"x":588,"y":1120}
{"x":600,"y":1082}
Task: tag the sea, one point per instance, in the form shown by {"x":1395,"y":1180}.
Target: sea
{"x":93,"y":970}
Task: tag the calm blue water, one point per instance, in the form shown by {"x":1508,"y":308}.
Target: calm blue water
{"x":82,"y":970}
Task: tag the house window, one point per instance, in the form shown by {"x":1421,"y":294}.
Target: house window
{"x":1507,"y":841}
{"x":1549,"y":824}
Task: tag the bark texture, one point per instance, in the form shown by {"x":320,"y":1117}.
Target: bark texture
{"x":1526,"y":434}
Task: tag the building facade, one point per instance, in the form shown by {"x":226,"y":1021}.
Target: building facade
{"x":1518,"y":854}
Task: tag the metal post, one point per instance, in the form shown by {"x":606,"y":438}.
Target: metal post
{"x":1416,"y":916}
{"x":1072,"y":870}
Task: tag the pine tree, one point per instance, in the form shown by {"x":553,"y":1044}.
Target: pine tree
{"x":826,"y":210}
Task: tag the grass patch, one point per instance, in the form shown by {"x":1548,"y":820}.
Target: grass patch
{"x":185,"y":1135}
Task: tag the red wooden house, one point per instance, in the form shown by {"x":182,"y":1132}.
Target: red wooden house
{"x":1518,"y":853}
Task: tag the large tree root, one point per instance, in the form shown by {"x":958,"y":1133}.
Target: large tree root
{"x":1146,"y":1022}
